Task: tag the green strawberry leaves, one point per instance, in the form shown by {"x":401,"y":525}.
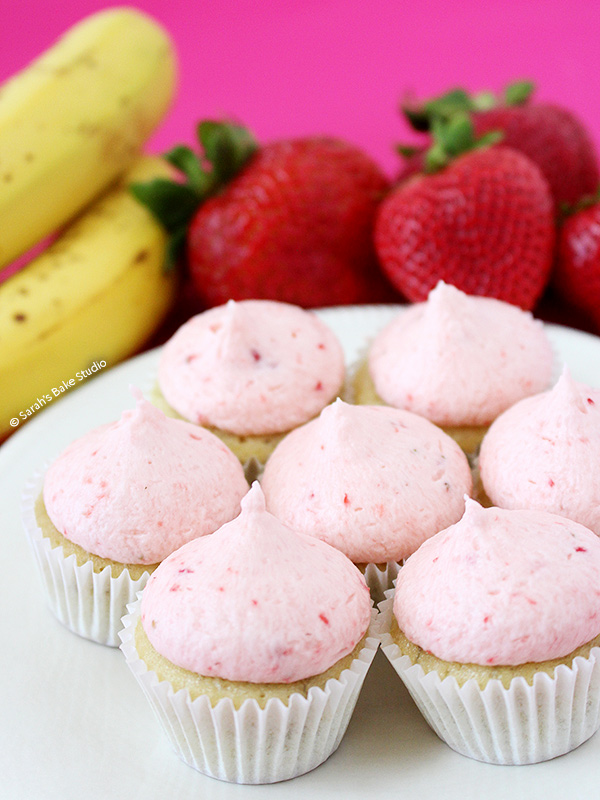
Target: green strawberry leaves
{"x":447,"y":119}
{"x":587,"y":201}
{"x":452,"y":137}
{"x":517,"y":94}
{"x":225,"y":149}
{"x":443,"y":107}
{"x":173,"y":205}
{"x":187,"y":161}
{"x":459,"y":101}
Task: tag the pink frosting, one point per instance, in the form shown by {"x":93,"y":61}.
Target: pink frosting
{"x":460,"y":360}
{"x":137,"y":489}
{"x":502,"y":587}
{"x":251,"y":367}
{"x":256,"y":602}
{"x":544,"y":453}
{"x":372,"y":481}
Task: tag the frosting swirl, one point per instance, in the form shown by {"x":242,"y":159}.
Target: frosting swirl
{"x":460,"y":360}
{"x":251,"y":367}
{"x":256,"y":602}
{"x":136,"y":489}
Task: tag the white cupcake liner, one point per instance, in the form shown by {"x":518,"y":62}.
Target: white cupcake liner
{"x":380,"y":580}
{"x":251,"y":744}
{"x":91,"y":604}
{"x":520,"y":725}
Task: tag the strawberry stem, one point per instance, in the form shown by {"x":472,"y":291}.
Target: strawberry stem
{"x":186,"y":161}
{"x":518,"y":93}
{"x":420,"y":116}
{"x":407,"y":150}
{"x":452,"y":137}
{"x":458,"y":101}
{"x":588,"y":200}
{"x":225,"y":149}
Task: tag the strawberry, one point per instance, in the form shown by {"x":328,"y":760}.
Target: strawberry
{"x":577,"y":270}
{"x":289,"y":221}
{"x":550,"y":135}
{"x":555,"y":139}
{"x":482,"y":222}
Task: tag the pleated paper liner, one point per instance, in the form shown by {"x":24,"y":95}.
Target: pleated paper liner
{"x":89,"y":603}
{"x":523,"y":724}
{"x":251,"y":744}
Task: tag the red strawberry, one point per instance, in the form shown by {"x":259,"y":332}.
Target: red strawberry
{"x":484,"y":223}
{"x":577,"y":270}
{"x":555,"y":139}
{"x":290,"y":221}
{"x":552,"y":136}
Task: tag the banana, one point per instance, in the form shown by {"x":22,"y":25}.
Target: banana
{"x":76,"y":118}
{"x":95,"y":295}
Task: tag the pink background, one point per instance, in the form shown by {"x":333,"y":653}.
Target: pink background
{"x":329,"y":66}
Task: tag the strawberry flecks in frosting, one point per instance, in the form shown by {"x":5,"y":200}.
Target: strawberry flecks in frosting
{"x":137,"y":489}
{"x":460,"y":360}
{"x":251,"y":367}
{"x":502,"y":587}
{"x":265,"y":604}
{"x":544,"y":453}
{"x":372,"y":481}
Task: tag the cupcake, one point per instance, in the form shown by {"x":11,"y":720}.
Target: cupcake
{"x":118,"y":501}
{"x":250,"y":371}
{"x":457,"y":360}
{"x":494,"y":628}
{"x":251,"y":646}
{"x":372,"y":481}
{"x":544,"y":453}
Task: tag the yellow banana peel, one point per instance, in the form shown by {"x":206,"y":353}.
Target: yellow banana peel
{"x":95,"y":295}
{"x":76,"y":118}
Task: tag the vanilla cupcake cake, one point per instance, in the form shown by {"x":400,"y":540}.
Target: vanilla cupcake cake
{"x":458,"y":360}
{"x":544,"y":453}
{"x":252,"y":645}
{"x":115,"y":503}
{"x":372,"y":481}
{"x":494,"y":628}
{"x":250,"y":371}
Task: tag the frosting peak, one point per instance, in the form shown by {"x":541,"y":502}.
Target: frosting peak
{"x":233,"y":337}
{"x":335,"y":423}
{"x":372,"y":481}
{"x":250,"y":368}
{"x":145,"y":415}
{"x":460,"y":360}
{"x":254,"y":501}
{"x":256,"y":602}
{"x":475,"y":514}
{"x":445,"y":295}
{"x":544,"y":453}
{"x":447,"y":306}
{"x":566,"y":396}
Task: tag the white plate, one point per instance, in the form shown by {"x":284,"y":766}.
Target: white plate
{"x":73,"y":723}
